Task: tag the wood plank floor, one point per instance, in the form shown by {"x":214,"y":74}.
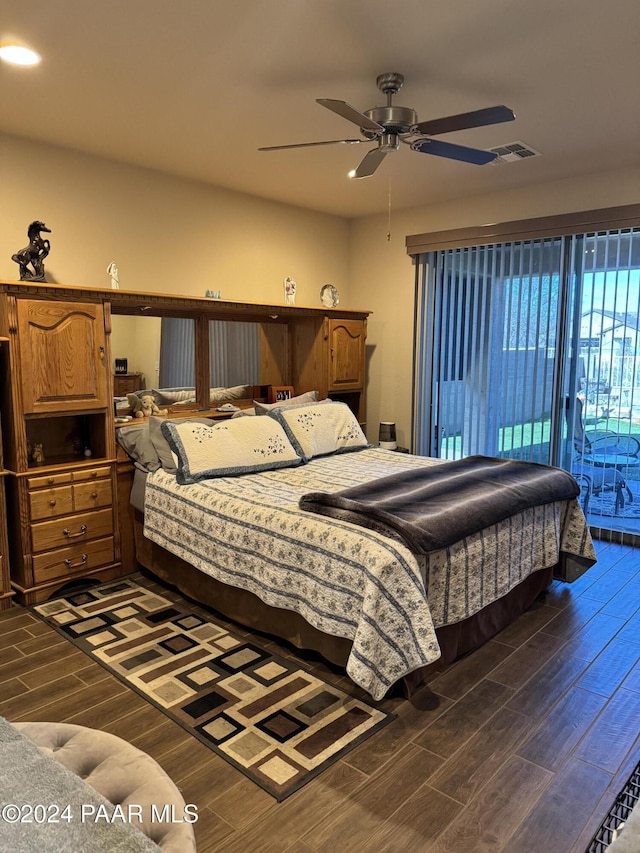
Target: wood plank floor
{"x":521,"y":746}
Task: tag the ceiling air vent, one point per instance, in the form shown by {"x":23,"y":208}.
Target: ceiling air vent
{"x":513,"y":152}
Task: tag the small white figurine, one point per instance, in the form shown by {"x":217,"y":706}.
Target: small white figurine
{"x":289,"y":291}
{"x":113,"y":271}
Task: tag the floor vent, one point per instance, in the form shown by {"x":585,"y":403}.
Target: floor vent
{"x":513,"y":152}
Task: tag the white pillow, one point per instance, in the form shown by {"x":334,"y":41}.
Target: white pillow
{"x":236,"y":392}
{"x":265,"y":408}
{"x":228,"y":448}
{"x":169,"y":396}
{"x":319,"y":430}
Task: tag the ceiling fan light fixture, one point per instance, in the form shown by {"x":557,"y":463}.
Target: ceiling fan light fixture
{"x":17,"y":54}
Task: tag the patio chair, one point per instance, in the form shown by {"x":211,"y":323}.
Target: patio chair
{"x":602,"y":459}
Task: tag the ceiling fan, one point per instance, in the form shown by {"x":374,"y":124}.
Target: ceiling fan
{"x":390,"y":125}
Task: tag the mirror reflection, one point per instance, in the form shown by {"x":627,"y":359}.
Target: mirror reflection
{"x":160,"y":356}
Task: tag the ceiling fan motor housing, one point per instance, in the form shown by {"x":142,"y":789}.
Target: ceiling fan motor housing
{"x":394,"y":119}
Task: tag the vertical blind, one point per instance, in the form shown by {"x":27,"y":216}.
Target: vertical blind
{"x":234,"y":353}
{"x":488,"y":324}
{"x":530,"y":349}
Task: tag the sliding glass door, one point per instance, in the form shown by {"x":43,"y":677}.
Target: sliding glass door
{"x":530,"y":350}
{"x":496,"y":314}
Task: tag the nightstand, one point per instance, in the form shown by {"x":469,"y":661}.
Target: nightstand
{"x":126,"y":383}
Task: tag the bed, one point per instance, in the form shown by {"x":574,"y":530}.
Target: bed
{"x":240,"y":541}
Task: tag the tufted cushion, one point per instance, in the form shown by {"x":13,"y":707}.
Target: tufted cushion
{"x":121,"y":773}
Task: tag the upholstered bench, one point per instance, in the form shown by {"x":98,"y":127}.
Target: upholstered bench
{"x":628,"y":838}
{"x":122,"y":774}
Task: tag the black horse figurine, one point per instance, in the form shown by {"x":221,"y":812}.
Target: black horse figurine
{"x":33,"y":254}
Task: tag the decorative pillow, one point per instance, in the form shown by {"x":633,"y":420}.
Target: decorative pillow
{"x":319,"y":430}
{"x":136,"y":441}
{"x":236,"y":392}
{"x":166,"y":458}
{"x":301,"y":399}
{"x":169,"y":396}
{"x":157,"y":396}
{"x":228,"y":448}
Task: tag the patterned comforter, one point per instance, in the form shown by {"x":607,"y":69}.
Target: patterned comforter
{"x":344,"y":580}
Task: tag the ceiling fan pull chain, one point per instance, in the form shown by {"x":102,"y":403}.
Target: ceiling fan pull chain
{"x":389,"y":211}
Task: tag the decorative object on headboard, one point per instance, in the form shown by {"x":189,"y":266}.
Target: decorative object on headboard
{"x":387,"y":435}
{"x":290,"y":288}
{"x":122,"y":365}
{"x":37,"y":454}
{"x":145,"y":406}
{"x":31,"y":258}
{"x":329,"y":296}
{"x":278,"y":393}
{"x":112,"y":270}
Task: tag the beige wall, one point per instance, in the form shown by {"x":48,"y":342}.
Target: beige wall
{"x":382,"y":275}
{"x":165,"y":234}
{"x":171,"y":235}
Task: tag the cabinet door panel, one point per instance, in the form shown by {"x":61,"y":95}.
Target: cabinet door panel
{"x":346,"y":354}
{"x":62,"y":355}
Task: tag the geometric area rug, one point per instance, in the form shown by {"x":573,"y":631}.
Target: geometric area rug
{"x":271,"y":719}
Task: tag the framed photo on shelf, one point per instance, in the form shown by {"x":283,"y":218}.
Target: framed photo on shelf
{"x":278,"y":393}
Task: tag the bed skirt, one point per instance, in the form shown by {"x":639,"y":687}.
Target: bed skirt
{"x":248,"y":610}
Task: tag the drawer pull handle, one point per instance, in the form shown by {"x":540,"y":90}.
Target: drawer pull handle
{"x":93,"y":474}
{"x":52,"y":503}
{"x":66,"y":532}
{"x":51,"y":481}
{"x":94,"y":495}
{"x":80,"y":562}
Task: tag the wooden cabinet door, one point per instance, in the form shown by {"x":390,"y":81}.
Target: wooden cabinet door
{"x":346,"y":354}
{"x":62,"y":355}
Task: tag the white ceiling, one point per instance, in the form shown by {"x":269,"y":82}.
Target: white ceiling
{"x":194,"y":87}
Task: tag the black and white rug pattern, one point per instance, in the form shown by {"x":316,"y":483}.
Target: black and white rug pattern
{"x":618,"y":814}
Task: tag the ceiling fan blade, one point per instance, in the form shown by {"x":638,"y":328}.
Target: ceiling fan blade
{"x":477,"y":118}
{"x":311,"y":144}
{"x":453,"y":152}
{"x":370,"y":163}
{"x":342,"y":108}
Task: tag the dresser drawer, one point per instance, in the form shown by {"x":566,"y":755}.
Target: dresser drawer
{"x":78,"y":559}
{"x":47,"y":503}
{"x":71,"y":530}
{"x":90,"y":474}
{"x":48,"y":481}
{"x":92,"y":495}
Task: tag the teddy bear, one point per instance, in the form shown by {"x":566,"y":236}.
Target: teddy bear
{"x":144,"y":406}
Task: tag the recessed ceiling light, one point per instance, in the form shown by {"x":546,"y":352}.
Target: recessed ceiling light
{"x":18,"y":55}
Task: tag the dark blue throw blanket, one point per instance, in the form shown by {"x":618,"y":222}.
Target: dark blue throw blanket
{"x":433,"y":507}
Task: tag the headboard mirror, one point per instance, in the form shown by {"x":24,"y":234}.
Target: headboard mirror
{"x":163,"y":351}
